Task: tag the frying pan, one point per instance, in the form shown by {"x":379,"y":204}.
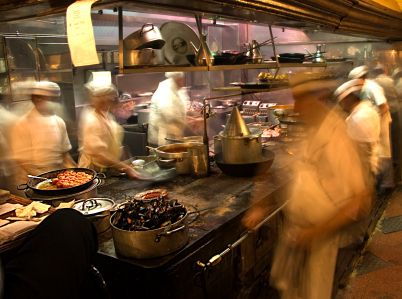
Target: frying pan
{"x":33,"y":182}
{"x":247,"y":169}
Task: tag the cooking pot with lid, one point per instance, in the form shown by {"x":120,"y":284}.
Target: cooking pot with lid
{"x":240,"y":149}
{"x":148,"y":36}
{"x":97,"y":210}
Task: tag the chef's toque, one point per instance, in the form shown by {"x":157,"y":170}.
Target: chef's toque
{"x":347,"y":88}
{"x":358,"y":72}
{"x":46,"y":88}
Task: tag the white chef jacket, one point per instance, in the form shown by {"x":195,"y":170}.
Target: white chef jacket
{"x":390,"y":92}
{"x":363,"y":125}
{"x":373,"y":92}
{"x":167,"y":113}
{"x":38,"y":143}
{"x":327,"y":177}
{"x":99,"y":133}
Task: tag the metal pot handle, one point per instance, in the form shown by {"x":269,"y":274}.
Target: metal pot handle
{"x":22,"y":187}
{"x":143,"y":26}
{"x":168,"y":232}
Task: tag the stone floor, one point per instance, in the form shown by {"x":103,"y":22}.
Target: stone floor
{"x":378,"y":272}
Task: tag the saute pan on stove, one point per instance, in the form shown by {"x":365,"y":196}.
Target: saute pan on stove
{"x":34,"y":182}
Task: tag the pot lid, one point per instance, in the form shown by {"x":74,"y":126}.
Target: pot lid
{"x":92,"y":206}
{"x":236,"y":126}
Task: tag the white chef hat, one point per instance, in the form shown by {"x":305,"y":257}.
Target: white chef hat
{"x":352,"y":86}
{"x":97,"y":90}
{"x":174,"y":75}
{"x":358,"y":72}
{"x":46,"y":88}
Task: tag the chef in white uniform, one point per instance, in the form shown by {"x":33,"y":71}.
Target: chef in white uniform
{"x":362,"y":123}
{"x":167,"y":118}
{"x":327,"y":194}
{"x":39,"y":140}
{"x":100,"y":135}
{"x":373,"y":92}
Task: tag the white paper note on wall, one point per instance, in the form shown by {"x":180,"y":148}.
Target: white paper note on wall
{"x":80,"y":34}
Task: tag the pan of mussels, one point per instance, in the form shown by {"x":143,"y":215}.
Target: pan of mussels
{"x":149,"y":225}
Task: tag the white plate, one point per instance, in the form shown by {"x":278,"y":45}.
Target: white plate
{"x":178,"y":36}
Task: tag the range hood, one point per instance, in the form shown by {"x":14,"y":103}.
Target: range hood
{"x":357,"y":17}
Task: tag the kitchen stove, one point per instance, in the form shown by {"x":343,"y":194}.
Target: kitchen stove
{"x":90,"y":192}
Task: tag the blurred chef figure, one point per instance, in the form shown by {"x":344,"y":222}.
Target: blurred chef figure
{"x":328,"y":193}
{"x":100,"y":135}
{"x":373,"y":92}
{"x":7,"y":119}
{"x":362,"y":123}
{"x":167,"y":118}
{"x":397,"y":76}
{"x":380,"y":76}
{"x":39,"y":140}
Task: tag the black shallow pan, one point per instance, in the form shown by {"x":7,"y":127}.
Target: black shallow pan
{"x":247,"y":169}
{"x":33,"y":182}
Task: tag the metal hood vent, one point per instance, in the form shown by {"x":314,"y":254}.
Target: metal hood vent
{"x":357,"y":17}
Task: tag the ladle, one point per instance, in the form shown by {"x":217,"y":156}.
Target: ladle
{"x":39,"y":177}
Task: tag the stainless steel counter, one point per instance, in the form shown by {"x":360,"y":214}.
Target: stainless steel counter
{"x":216,"y":228}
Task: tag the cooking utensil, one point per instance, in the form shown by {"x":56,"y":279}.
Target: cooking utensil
{"x":38,"y":177}
{"x":33,"y":182}
{"x":290,"y":57}
{"x":258,"y":167}
{"x":178,"y":36}
{"x":97,"y":210}
{"x":254,"y":53}
{"x":230,"y":57}
{"x":145,"y":56}
{"x":185,"y":139}
{"x":150,"y":243}
{"x":252,"y":85}
{"x":149,"y":36}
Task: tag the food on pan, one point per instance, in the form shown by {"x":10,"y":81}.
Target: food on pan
{"x":66,"y":179}
{"x":136,"y":214}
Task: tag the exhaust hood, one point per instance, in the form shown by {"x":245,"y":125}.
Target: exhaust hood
{"x":358,"y":17}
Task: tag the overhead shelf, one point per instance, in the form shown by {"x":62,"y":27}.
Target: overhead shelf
{"x":172,"y":68}
{"x":265,"y":65}
{"x":183,"y":68}
{"x":161,"y":69}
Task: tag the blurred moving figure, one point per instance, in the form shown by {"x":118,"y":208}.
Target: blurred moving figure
{"x":100,"y":135}
{"x":167,"y":117}
{"x":387,"y":83}
{"x":7,"y":119}
{"x":327,"y":195}
{"x":373,"y":92}
{"x":397,"y":76}
{"x":39,"y":140}
{"x":362,"y":122}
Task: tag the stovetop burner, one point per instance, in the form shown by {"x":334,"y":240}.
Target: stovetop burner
{"x":76,"y":195}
